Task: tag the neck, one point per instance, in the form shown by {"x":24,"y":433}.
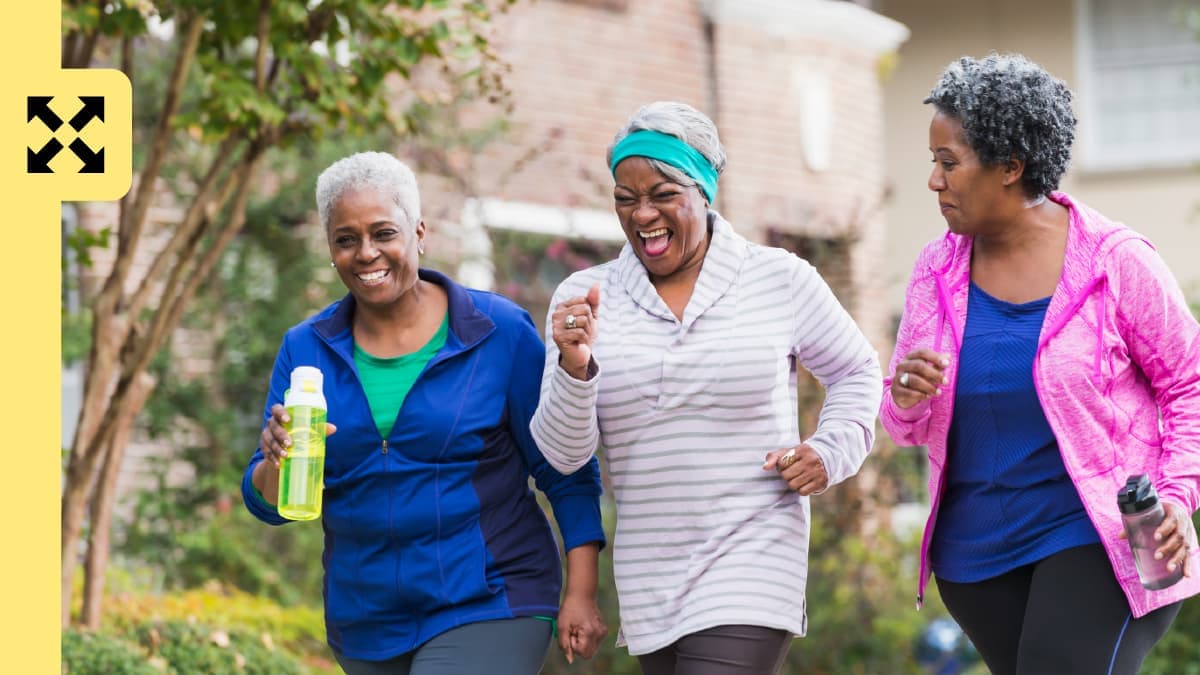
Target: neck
{"x":684,"y":276}
{"x":1025,"y":226}
{"x":393,"y":319}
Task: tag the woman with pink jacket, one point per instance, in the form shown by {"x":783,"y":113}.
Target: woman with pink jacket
{"x":1045,"y":355}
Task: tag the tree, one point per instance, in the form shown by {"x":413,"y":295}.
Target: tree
{"x":245,"y":77}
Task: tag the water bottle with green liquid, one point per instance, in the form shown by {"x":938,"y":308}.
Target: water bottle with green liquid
{"x":302,"y":472}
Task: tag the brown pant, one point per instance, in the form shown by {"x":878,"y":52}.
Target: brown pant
{"x":723,"y":650}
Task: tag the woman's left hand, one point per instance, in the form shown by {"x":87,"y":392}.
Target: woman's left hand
{"x":801,"y":467}
{"x":1177,"y":537}
{"x":581,"y":627}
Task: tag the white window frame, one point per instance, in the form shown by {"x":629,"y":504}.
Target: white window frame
{"x":480,"y":215}
{"x":1092,"y":156}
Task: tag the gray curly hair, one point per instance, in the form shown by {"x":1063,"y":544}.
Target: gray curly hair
{"x":681,"y":121}
{"x":378,"y":170}
{"x":1011,"y":107}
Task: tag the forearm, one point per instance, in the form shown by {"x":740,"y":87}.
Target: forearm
{"x":583,"y":571}
{"x":266,"y":480}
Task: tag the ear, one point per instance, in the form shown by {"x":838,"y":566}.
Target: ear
{"x":420,"y":236}
{"x":1012,"y":171}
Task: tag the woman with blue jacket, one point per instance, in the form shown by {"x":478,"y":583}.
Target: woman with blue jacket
{"x":437,"y":557}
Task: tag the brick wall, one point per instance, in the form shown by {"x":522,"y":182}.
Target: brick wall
{"x":581,"y":67}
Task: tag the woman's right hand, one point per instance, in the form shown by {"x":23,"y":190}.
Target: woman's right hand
{"x":919,"y":377}
{"x":275,"y":439}
{"x":574,"y":331}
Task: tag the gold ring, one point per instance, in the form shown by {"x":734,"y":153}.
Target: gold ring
{"x":786,"y":459}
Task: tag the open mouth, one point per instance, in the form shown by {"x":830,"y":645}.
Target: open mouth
{"x":655,"y":242}
{"x":372,"y":278}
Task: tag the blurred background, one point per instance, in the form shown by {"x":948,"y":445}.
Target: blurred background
{"x":176,"y":298}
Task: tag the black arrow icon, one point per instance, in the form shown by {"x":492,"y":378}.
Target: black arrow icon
{"x":93,"y":162}
{"x":39,"y":107}
{"x":39,"y":162}
{"x":93,"y":106}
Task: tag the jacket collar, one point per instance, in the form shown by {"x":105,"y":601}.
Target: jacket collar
{"x":1090,"y":237}
{"x":468,"y":325}
{"x":718,"y":273}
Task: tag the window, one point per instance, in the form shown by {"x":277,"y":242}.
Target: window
{"x":1139,"y":84}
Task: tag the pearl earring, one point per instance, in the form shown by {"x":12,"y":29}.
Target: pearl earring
{"x":331,"y":264}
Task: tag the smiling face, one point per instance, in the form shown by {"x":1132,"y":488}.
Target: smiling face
{"x":665,"y":223}
{"x":972,"y":196}
{"x":373,"y":246}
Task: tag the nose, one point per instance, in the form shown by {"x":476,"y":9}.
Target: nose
{"x":367,"y":250}
{"x":937,"y":179}
{"x":644,"y":212}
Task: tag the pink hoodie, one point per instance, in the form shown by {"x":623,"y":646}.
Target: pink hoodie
{"x":1117,"y":371}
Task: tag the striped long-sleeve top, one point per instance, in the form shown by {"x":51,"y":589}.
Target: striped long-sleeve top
{"x":686,"y":411}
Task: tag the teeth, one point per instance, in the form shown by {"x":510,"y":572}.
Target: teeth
{"x":652,"y":234}
{"x":373,"y":276}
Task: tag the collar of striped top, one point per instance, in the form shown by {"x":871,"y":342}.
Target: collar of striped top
{"x":722,"y":264}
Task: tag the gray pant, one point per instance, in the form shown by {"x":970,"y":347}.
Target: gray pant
{"x":504,"y":647}
{"x":723,"y":650}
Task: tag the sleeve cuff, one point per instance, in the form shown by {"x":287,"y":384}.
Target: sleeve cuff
{"x":255,"y":503}
{"x":579,"y":521}
{"x":593,"y":377}
{"x":825,"y":454}
{"x":913,"y":414}
{"x":1173,"y":493}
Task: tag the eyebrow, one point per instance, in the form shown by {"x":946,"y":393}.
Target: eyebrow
{"x":373,"y":225}
{"x":652,"y":187}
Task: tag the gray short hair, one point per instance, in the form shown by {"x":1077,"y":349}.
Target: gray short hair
{"x":378,"y":170}
{"x":1011,"y":107}
{"x":681,"y":121}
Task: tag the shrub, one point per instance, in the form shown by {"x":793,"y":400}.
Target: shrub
{"x":99,"y":654}
{"x":299,"y":630}
{"x":188,"y":648}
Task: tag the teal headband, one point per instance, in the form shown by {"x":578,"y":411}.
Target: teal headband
{"x":671,"y":150}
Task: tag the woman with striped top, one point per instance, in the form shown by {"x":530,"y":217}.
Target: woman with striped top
{"x":679,"y":359}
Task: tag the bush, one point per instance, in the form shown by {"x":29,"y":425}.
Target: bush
{"x":99,"y":654}
{"x":187,"y":648}
{"x":298,"y":630}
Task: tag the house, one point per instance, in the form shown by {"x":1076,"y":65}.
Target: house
{"x":793,"y":85}
{"x":1135,"y":70}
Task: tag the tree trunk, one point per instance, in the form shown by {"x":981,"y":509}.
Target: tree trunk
{"x":74,"y":503}
{"x":104,"y":437}
{"x":103,"y":500}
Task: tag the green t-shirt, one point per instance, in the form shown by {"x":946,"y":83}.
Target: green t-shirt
{"x":388,"y":381}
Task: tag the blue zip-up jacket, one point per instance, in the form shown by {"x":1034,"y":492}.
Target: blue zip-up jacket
{"x":435,"y":526}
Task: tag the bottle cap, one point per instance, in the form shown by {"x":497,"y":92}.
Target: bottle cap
{"x":1137,"y":495}
{"x":307,"y":379}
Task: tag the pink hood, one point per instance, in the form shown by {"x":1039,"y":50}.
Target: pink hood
{"x":1117,"y":371}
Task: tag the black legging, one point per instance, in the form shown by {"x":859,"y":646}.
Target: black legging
{"x":723,"y":650}
{"x":1061,"y":615}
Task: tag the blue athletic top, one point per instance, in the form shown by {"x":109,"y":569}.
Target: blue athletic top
{"x":1008,"y":500}
{"x":434,"y":525}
